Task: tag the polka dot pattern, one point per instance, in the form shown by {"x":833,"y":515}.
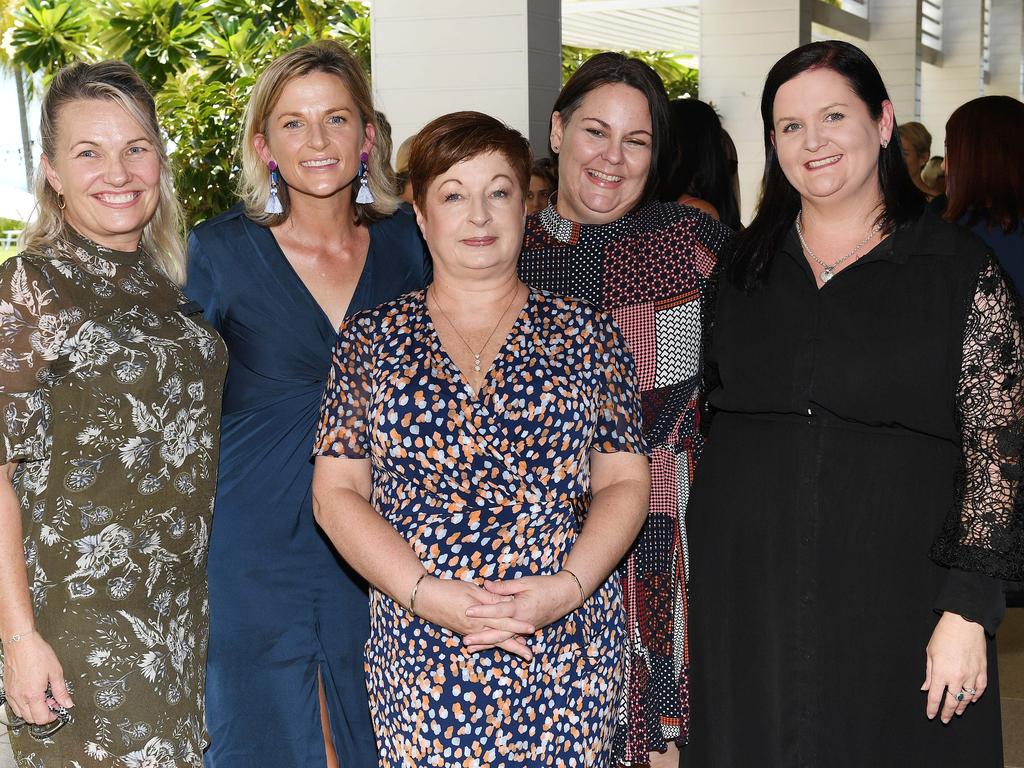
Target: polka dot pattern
{"x":487,"y":486}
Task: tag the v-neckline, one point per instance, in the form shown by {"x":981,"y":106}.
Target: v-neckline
{"x":364,"y":275}
{"x":476,"y":395}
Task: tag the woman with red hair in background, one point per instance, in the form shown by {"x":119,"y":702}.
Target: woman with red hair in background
{"x":985,"y":176}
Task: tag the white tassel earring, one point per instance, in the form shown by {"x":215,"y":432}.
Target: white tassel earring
{"x":365,"y":196}
{"x":273,"y":202}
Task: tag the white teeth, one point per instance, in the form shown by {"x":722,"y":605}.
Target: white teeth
{"x":604,"y":176}
{"x":118,"y":199}
{"x":823,"y":162}
{"x":319,"y":163}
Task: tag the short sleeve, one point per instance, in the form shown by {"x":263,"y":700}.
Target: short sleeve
{"x":32,"y":330}
{"x":618,"y":416}
{"x":202,"y":285}
{"x":344,"y":423}
{"x":984,"y":532}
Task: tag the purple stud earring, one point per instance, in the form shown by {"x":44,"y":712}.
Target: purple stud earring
{"x":365,"y":196}
{"x":273,"y":205}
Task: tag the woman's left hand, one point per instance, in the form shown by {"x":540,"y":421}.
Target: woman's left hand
{"x":957,"y":661}
{"x":539,"y":601}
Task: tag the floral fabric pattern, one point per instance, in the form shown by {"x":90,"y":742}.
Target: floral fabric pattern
{"x":110,"y":404}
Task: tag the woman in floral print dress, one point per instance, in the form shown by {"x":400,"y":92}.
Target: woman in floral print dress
{"x":463,"y":429}
{"x":110,"y":387}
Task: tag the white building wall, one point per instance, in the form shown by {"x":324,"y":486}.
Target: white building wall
{"x":960,"y":77}
{"x":895,"y":47}
{"x":502,"y":58}
{"x":1006,"y":50}
{"x":740,"y":41}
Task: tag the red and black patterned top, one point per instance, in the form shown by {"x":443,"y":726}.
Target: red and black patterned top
{"x":651,"y":271}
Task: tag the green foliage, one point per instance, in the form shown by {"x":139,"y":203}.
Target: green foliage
{"x":200,"y":58}
{"x":45,"y":36}
{"x":680,"y":80}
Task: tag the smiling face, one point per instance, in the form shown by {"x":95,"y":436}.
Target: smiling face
{"x":107,"y":170}
{"x":604,"y":154}
{"x":827,"y":142}
{"x":473,"y":217}
{"x":315,"y":134}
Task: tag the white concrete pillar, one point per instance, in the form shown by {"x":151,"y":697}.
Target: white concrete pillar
{"x":895,"y":47}
{"x":1006,"y":49}
{"x":501,"y":58}
{"x":740,"y":40}
{"x":958,"y":77}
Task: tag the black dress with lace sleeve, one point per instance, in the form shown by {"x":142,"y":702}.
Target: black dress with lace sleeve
{"x":984,"y":532}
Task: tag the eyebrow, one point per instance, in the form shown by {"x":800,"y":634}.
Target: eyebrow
{"x":603,"y":124}
{"x":326,"y":112}
{"x":95,"y":144}
{"x":823,"y":109}
{"x":459,"y":181}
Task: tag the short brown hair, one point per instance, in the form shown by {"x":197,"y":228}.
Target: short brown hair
{"x":917,"y":136}
{"x":984,"y":162}
{"x":458,"y":136}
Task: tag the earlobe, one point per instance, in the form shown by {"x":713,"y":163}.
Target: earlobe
{"x":259,"y":143}
{"x":51,"y":174}
{"x":557,"y":131}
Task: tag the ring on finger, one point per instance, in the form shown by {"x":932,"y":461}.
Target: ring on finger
{"x":957,"y":696}
{"x":969,"y":691}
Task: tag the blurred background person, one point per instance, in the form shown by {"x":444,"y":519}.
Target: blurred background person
{"x":110,"y":386}
{"x":480,"y":440}
{"x":985,"y":176}
{"x":402,"y":183}
{"x":608,"y":240}
{"x":934,"y":177}
{"x":858,"y":503}
{"x":701,"y":175}
{"x":543,"y":183}
{"x":916,"y":144}
{"x":312,"y":242}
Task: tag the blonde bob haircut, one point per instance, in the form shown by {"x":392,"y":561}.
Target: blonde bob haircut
{"x":163,"y":238}
{"x":334,"y":59}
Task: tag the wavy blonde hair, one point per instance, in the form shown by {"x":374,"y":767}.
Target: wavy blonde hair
{"x":163,"y":237}
{"x":334,"y":59}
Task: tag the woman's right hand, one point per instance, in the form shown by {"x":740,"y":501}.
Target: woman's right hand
{"x":30,"y":665}
{"x":445,"y":602}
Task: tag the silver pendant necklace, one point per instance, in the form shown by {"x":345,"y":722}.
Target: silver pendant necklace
{"x":829,"y":270}
{"x":476,"y":355}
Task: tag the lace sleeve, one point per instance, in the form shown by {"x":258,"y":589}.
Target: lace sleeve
{"x":984,"y":532}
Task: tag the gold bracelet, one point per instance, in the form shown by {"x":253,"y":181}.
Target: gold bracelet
{"x":415,"y":589}
{"x":579,"y":585}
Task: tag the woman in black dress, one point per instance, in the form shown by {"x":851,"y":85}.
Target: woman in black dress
{"x":859,"y":501}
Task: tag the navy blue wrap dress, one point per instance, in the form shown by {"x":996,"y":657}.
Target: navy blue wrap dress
{"x":282,"y":603}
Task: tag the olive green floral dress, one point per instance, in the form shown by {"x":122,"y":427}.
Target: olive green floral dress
{"x":110,"y":389}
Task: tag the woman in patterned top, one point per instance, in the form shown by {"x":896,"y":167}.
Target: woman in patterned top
{"x":480,"y":461}
{"x":110,"y":387}
{"x":606,"y":239}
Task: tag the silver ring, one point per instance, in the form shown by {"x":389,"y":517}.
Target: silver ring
{"x":968,"y":691}
{"x":958,"y":696}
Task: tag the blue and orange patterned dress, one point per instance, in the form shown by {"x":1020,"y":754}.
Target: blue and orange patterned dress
{"x":487,"y":486}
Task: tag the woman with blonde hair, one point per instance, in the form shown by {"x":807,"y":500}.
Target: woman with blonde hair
{"x":315,"y":238}
{"x":110,"y":386}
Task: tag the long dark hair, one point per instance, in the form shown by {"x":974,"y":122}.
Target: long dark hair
{"x":985,"y":162}
{"x":610,"y":68}
{"x":752,"y":249}
{"x":701,"y":166}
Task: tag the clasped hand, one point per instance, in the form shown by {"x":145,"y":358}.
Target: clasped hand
{"x":500,"y":613}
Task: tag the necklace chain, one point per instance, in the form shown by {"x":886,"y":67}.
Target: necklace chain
{"x":829,"y":270}
{"x":476,"y":355}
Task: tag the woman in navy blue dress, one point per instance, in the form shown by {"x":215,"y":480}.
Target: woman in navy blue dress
{"x":277,"y":275}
